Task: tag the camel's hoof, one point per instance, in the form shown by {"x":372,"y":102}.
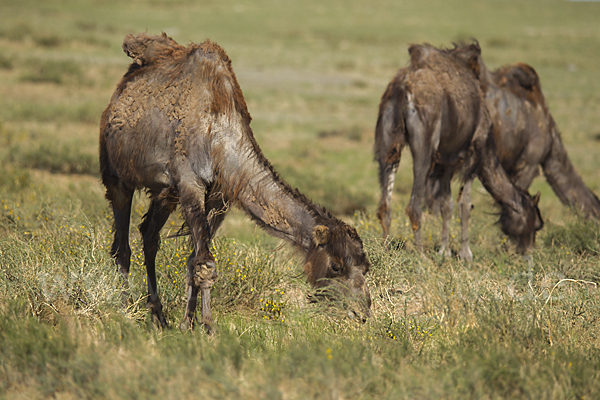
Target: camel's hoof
{"x":466,"y":256}
{"x":445,"y":252}
{"x":157,"y":315}
{"x":209,"y":328}
{"x":186,"y":325}
{"x":160,"y":321}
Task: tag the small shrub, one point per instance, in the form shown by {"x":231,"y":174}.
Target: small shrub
{"x":14,"y":179}
{"x":248,"y":277}
{"x":273,"y":309}
{"x":6,"y":62}
{"x":48,"y":40}
{"x":579,"y":236}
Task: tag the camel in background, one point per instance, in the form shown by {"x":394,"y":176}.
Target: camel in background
{"x":437,"y":107}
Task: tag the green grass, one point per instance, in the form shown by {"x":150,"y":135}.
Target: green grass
{"x":312,"y":74}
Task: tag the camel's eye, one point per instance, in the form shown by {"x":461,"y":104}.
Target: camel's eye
{"x":336,"y":267}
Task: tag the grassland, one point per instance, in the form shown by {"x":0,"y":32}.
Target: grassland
{"x":312,"y":73}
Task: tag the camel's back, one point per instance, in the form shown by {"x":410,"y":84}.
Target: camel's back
{"x":443,"y":88}
{"x":169,"y":98}
{"x":180,"y":83}
{"x":438,"y":72}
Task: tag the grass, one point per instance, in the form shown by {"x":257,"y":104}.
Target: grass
{"x":312,"y":74}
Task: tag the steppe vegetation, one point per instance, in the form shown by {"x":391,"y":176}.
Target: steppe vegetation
{"x":312,"y":73}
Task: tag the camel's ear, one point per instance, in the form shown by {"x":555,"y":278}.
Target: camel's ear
{"x":536,"y":198}
{"x":321,"y":235}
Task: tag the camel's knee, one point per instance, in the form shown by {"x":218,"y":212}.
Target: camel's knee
{"x":446,"y":207}
{"x":203,"y":272}
{"x":384,"y":213}
{"x":414,"y":213}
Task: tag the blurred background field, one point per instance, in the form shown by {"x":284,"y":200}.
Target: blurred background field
{"x":312,"y":73}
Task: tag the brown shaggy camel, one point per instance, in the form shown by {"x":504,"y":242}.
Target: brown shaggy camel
{"x":177,"y":126}
{"x":436,"y":106}
{"x":526,"y":135}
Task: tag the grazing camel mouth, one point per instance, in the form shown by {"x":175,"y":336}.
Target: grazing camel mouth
{"x":355,"y":302}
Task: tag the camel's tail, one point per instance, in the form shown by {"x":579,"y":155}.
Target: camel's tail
{"x":565,"y":181}
{"x":390,"y":138}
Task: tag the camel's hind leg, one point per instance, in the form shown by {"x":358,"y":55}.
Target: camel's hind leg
{"x":443,"y":197}
{"x":384,"y":212}
{"x":413,"y":210}
{"x":389,"y":145}
{"x":420,"y":138}
{"x":433,"y":188}
{"x":464,"y":201}
{"x":202,"y":269}
{"x":154,"y":220}
{"x":121,"y":197}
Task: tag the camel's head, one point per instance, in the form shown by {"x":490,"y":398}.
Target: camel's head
{"x":521,"y":220}
{"x":336,"y":264}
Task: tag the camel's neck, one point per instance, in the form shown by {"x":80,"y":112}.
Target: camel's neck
{"x":254,"y":186}
{"x":494,"y":178}
{"x":497,"y":182}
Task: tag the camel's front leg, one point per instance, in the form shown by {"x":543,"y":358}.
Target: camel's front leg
{"x":201,"y":266}
{"x":201,"y":274}
{"x":464,"y":201}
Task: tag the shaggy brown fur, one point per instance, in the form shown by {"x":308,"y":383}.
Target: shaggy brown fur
{"x":527,"y":137}
{"x":436,"y":106}
{"x":177,"y":125}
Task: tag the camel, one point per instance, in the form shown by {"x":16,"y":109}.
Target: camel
{"x":177,"y":126}
{"x":436,"y":106}
{"x":526,"y":135}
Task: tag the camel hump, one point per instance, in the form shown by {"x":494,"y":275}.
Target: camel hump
{"x":419,"y":53}
{"x":212,"y":51}
{"x":146,"y":49}
{"x":522,"y":80}
{"x":523,"y":75}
